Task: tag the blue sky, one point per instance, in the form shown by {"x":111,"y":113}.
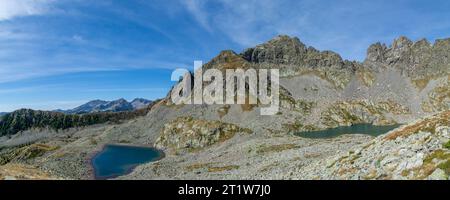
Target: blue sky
{"x":62,"y":53}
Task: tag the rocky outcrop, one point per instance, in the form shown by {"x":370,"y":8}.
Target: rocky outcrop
{"x":347,"y":113}
{"x":420,"y":150}
{"x":321,"y":90}
{"x":24,"y":172}
{"x":227,"y":60}
{"x":280,"y":50}
{"x":438,"y":98}
{"x":293,"y":58}
{"x":421,"y":61}
{"x":188,"y":134}
{"x":26,"y":153}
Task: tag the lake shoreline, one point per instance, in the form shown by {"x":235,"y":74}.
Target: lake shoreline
{"x":95,"y":154}
{"x":365,"y":129}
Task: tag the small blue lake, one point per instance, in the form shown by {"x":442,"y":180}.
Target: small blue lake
{"x":367,"y":129}
{"x":117,"y":160}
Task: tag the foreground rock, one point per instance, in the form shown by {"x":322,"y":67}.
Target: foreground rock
{"x":186,"y":133}
{"x":248,"y":157}
{"x":420,"y":150}
{"x":23,"y":172}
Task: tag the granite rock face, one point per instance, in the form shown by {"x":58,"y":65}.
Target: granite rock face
{"x":186,"y":133}
{"x":280,"y":50}
{"x":419,"y":150}
{"x":405,"y":79}
{"x":293,"y":58}
{"x":421,"y":61}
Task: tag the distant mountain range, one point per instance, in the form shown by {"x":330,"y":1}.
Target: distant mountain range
{"x":94,"y":106}
{"x":93,"y":112}
{"x":119,"y":105}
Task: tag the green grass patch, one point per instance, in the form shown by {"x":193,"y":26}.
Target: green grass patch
{"x":447,"y":145}
{"x":445,"y":166}
{"x":438,"y":154}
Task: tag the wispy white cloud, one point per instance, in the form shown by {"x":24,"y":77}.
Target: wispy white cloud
{"x":78,"y":38}
{"x":347,"y":27}
{"x":16,"y":8}
{"x":35,"y":49}
{"x":42,"y":47}
{"x":249,"y":22}
{"x":20,"y":59}
{"x":16,"y":90}
{"x":196,"y":7}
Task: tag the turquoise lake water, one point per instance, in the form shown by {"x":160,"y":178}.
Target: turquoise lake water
{"x":367,"y":129}
{"x":117,"y":160}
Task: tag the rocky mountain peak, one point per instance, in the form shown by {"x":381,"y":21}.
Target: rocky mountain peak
{"x":289,"y":55}
{"x":96,"y":102}
{"x":399,"y":50}
{"x":121,"y":100}
{"x":139,"y":103}
{"x":376,"y":52}
{"x":445,"y":43}
{"x":140,"y":100}
{"x":279,"y":50}
{"x":283,"y":40}
{"x":401,"y":43}
{"x":115,"y":106}
{"x":227,"y":59}
{"x":381,"y":53}
{"x":118,"y":105}
{"x":423,"y":43}
{"x":225,"y":54}
{"x":403,"y":49}
{"x":419,"y":60}
{"x":285,"y":50}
